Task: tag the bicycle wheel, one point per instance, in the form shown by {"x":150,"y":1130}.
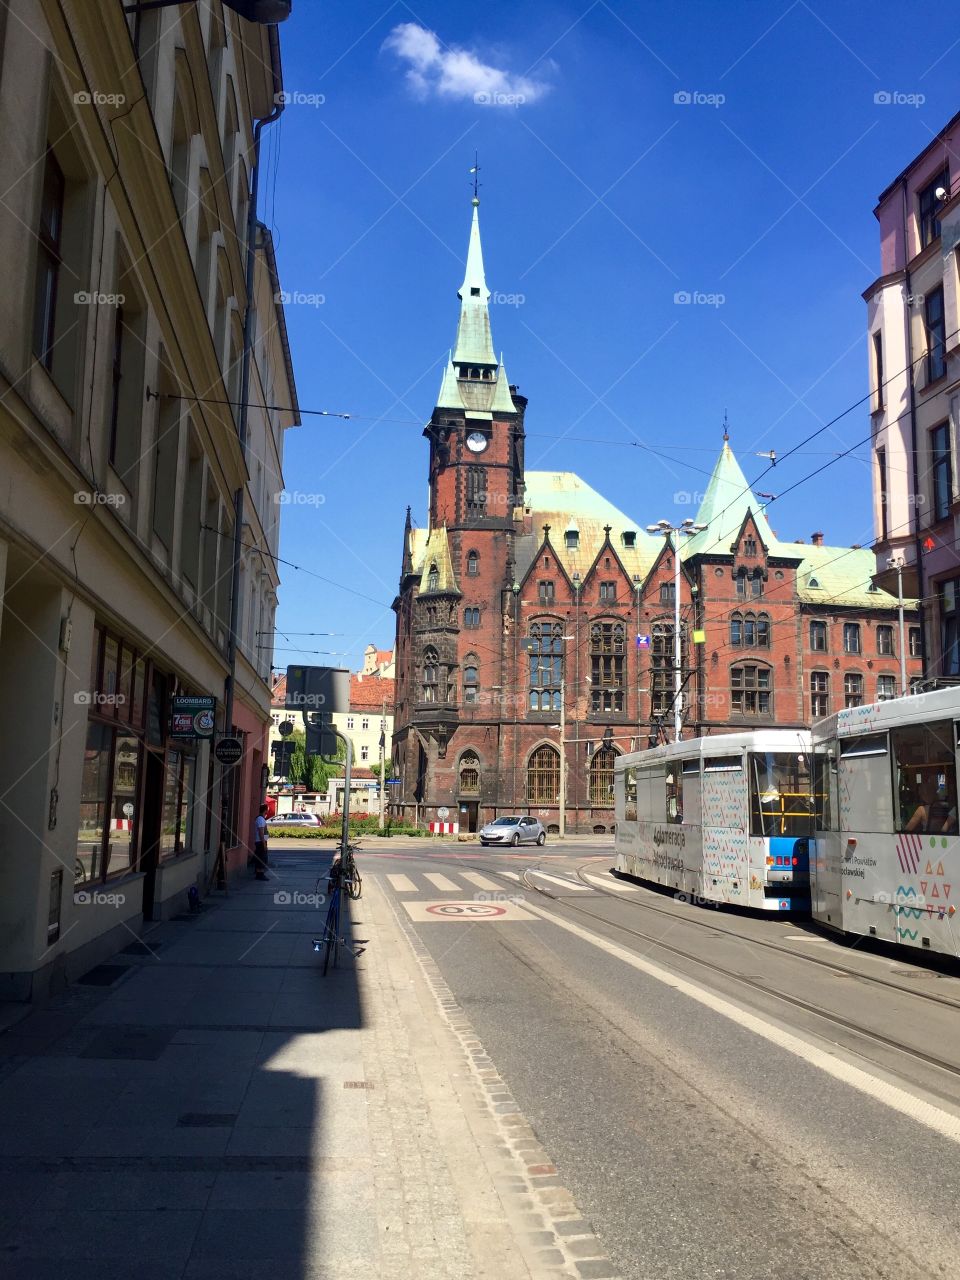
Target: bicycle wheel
{"x":352,"y":882}
{"x":331,"y":928}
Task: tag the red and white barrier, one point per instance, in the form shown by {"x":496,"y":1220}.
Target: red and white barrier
{"x":121,"y":824}
{"x":444,"y":828}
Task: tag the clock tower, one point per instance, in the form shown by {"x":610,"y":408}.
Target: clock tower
{"x":476,"y":431}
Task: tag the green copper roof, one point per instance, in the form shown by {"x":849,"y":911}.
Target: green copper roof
{"x":724,"y":508}
{"x":474,"y":340}
{"x":831,"y":576}
{"x":842,"y":577}
{"x":565,"y":502}
{"x":485,"y":395}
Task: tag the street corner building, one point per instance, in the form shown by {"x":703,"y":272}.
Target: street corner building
{"x":129,"y":156}
{"x":913,"y":328}
{"x":536,"y":623}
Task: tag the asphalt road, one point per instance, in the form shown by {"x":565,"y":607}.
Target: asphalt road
{"x":725,"y":1096}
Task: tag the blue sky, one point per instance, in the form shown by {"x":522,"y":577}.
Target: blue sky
{"x":602,"y":199}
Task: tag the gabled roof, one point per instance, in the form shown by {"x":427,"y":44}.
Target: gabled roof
{"x":725,"y":507}
{"x":370,"y":692}
{"x":558,"y":498}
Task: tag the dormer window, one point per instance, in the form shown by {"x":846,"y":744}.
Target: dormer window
{"x":629,"y":537}
{"x":750,"y":547}
{"x":433,"y":579}
{"x":812,"y":582}
{"x":572,"y":539}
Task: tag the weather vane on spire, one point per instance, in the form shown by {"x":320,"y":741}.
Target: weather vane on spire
{"x":476,"y":178}
{"x":726,"y":427}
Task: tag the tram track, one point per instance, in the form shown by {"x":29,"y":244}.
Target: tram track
{"x":831,"y":965}
{"x":836,"y":1019}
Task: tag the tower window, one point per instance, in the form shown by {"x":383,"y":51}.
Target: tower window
{"x":473,"y":564}
{"x":433,"y":579}
{"x":474,"y":292}
{"x":476,"y":491}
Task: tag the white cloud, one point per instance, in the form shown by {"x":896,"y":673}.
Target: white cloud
{"x":451,"y":72}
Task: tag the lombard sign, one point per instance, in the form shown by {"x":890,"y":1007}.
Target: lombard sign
{"x":192,"y":716}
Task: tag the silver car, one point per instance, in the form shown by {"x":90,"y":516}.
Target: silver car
{"x":519,"y":830}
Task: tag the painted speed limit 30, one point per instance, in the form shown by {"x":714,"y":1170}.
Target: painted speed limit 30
{"x":469,"y":912}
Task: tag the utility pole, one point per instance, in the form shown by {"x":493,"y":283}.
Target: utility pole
{"x":676,"y":533}
{"x":383,"y":766}
{"x":896,"y":562}
{"x":563,"y":743}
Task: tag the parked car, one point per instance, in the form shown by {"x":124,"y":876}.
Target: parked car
{"x":519,"y":830}
{"x":294,"y":820}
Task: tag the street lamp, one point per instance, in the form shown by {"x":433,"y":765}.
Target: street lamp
{"x":688,"y":527}
{"x":896,"y":562}
{"x":563,"y":747}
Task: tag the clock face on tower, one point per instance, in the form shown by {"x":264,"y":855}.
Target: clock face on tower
{"x":476,"y":442}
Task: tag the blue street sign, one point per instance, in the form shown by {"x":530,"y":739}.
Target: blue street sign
{"x":643,"y":642}
{"x":393,"y":782}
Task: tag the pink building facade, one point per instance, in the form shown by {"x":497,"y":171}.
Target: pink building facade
{"x":913,"y":328}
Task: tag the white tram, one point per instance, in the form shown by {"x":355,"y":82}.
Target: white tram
{"x":724,"y":819}
{"x":887,"y":856}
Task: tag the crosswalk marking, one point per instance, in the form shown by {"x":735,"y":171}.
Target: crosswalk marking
{"x":567,"y":884}
{"x":512,"y":875}
{"x":610,"y":882}
{"x":480,"y":881}
{"x":402,"y":884}
{"x":441,"y":882}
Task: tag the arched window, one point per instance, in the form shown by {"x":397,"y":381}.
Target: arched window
{"x":607,"y":666}
{"x":546,"y":665}
{"x":429,"y":675}
{"x":601,"y":777}
{"x":471,"y":679}
{"x":473,"y":564}
{"x":736,"y":628}
{"x":433,"y":578}
{"x":470,"y":774}
{"x":543,"y":776}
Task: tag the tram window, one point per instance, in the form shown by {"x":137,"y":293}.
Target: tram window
{"x":722,"y":764}
{"x":925,"y":790}
{"x":692,"y":812}
{"x":651,"y":805}
{"x":864,"y":781}
{"x":824,"y":790}
{"x":781,"y":803}
{"x":674,"y":792}
{"x":630,"y":795}
{"x":871,"y":744}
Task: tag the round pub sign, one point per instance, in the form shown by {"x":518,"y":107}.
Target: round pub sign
{"x":228,"y":750}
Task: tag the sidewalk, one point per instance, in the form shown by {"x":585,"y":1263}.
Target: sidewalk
{"x":208,"y":1105}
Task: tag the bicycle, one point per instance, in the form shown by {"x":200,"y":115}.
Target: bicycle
{"x":343,"y":876}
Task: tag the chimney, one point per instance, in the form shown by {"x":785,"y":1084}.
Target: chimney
{"x":817,"y":539}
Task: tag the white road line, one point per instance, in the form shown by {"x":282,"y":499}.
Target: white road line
{"x":567,"y":884}
{"x":945,"y":1123}
{"x":480,"y":881}
{"x":610,"y":882}
{"x":511,"y":875}
{"x":441,"y":882}
{"x":402,"y":884}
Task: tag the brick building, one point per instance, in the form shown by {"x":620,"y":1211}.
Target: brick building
{"x":530,"y":602}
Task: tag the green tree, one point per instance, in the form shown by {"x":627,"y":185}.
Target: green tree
{"x":298,"y":756}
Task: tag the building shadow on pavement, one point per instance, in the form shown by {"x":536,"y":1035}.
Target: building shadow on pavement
{"x":196,"y":1107}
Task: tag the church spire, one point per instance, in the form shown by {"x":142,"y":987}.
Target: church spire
{"x":474,"y":341}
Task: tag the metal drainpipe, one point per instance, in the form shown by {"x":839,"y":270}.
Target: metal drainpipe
{"x":914,"y":451}
{"x":229,"y":776}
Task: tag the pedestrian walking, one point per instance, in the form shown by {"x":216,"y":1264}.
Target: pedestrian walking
{"x":260,"y":843}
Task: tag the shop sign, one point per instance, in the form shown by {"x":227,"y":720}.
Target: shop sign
{"x":192,"y":716}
